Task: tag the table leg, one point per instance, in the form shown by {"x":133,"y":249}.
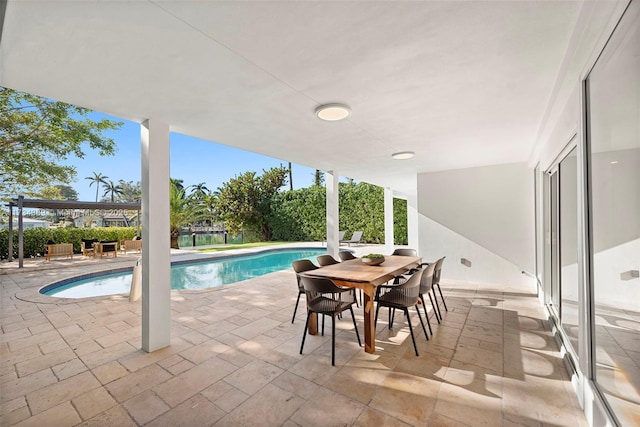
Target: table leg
{"x":369,"y":318}
{"x":313,"y":324}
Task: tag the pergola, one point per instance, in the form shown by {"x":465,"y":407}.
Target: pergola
{"x":20,"y":202}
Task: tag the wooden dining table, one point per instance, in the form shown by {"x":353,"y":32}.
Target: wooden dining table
{"x":356,"y":274}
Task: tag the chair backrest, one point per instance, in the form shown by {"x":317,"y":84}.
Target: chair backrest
{"x":325,"y":260}
{"x":405,"y":252}
{"x":426,"y":283}
{"x":438,"y":270}
{"x":341,"y":235}
{"x":323,"y":296}
{"x":346,"y":255}
{"x":357,"y":235}
{"x":301,"y":266}
{"x":319,"y":285}
{"x":411,"y":288}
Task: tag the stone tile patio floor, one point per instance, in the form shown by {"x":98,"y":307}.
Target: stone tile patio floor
{"x":233,"y":361}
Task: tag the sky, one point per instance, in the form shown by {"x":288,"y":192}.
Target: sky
{"x":193,"y":160}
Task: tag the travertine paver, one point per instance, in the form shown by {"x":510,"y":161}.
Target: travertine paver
{"x":234,"y":360}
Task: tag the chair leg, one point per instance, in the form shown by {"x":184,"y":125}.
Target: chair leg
{"x":333,"y":340}
{"x":435,"y":299}
{"x":435,"y":311}
{"x":426,"y":314}
{"x":304,"y":334}
{"x":375,"y":322}
{"x":441,"y":296}
{"x":406,"y":313}
{"x":422,"y":323}
{"x":323,"y":325}
{"x":296,"y":309}
{"x":355,"y":326}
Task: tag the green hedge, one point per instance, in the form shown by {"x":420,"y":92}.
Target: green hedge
{"x":300,"y":215}
{"x":36,"y":238}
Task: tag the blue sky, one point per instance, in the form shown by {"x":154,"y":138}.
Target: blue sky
{"x":192,"y":160}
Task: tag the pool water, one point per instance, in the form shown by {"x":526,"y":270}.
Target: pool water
{"x":192,"y":275}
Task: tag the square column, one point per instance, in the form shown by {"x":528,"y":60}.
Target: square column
{"x":333,"y":224}
{"x":388,"y":220}
{"x":413,"y":230}
{"x":156,"y":252}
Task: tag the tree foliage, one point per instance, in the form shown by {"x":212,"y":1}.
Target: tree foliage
{"x":183,"y":210}
{"x":36,"y":134}
{"x":129,"y":191}
{"x":244,"y":202}
{"x":318,"y":177}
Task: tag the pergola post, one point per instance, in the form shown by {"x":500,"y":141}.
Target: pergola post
{"x":156,"y":252}
{"x":20,"y":233}
{"x":10,"y":237}
{"x":388,"y":220}
{"x":333,"y":224}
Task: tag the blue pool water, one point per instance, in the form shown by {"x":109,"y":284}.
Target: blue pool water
{"x":191,"y":275}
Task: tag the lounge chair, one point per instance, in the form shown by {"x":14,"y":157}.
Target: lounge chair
{"x":87,"y":246}
{"x":106,"y":248}
{"x":356,"y":237}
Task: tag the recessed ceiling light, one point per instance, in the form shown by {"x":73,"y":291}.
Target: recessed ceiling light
{"x":614,"y":162}
{"x":333,"y":112}
{"x":403,"y":155}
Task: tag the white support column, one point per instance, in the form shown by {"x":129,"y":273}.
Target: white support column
{"x":156,"y":252}
{"x":333,"y":224}
{"x":413,"y":230}
{"x":388,"y":220}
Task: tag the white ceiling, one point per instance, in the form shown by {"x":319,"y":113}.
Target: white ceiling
{"x":462,"y":84}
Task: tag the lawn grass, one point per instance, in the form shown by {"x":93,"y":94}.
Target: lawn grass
{"x":240,"y":246}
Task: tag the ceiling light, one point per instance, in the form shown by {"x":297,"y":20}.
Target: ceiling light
{"x":333,"y":112}
{"x":614,"y":162}
{"x":403,"y":155}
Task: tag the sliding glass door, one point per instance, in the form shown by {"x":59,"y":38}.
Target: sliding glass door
{"x":562,"y":214}
{"x":613,"y":94}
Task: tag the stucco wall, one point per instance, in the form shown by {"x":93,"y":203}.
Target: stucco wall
{"x":491,"y":206}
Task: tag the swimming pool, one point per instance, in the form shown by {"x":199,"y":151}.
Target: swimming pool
{"x":186,"y":275}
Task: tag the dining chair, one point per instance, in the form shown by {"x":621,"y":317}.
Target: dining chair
{"x":325,"y":260}
{"x":346,"y":255}
{"x":405,"y":252}
{"x":325,"y":297}
{"x":426,"y":287}
{"x":401,"y":297}
{"x":436,"y":283}
{"x":301,"y":266}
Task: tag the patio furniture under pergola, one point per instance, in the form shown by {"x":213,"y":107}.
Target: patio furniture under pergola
{"x":20,"y":202}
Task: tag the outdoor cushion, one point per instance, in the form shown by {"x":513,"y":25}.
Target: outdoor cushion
{"x":109,"y":246}
{"x":88,"y":243}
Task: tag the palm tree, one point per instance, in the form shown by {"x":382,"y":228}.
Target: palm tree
{"x":183,"y":210}
{"x":209,"y":203}
{"x":97,"y":179}
{"x":112,"y":189}
{"x":179,"y":183}
{"x":199,"y":191}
